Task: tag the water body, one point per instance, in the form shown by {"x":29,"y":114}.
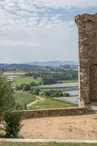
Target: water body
{"x":73,"y":100}
{"x":72,"y":93}
{"x":61,"y":85}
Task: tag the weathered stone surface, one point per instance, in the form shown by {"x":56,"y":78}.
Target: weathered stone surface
{"x":87,"y":32}
{"x":28,"y":114}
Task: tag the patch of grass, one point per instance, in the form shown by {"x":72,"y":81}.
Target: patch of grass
{"x":44,"y":144}
{"x":26,"y":80}
{"x":24,"y":98}
{"x":47,"y":104}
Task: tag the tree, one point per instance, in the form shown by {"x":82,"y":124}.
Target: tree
{"x":35,"y":91}
{"x":53,"y":93}
{"x":7,"y":101}
{"x":32,"y":84}
{"x":66,"y":95}
{"x":26,"y":87}
{"x":48,"y":80}
{"x":57,"y":93}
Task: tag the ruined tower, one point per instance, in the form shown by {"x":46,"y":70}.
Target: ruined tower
{"x":87,"y":32}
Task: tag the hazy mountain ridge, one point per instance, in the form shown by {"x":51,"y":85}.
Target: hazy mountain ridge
{"x":52,"y":63}
{"x":15,"y":66}
{"x":35,"y":64}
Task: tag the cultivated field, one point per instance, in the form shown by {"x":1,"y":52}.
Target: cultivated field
{"x":24,"y":98}
{"x":26,"y":80}
{"x":13,"y":73}
{"x":47,"y":104}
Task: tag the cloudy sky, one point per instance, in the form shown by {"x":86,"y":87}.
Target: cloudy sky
{"x":40,"y":30}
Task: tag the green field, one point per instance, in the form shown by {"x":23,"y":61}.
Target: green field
{"x":47,"y":104}
{"x":44,"y":144}
{"x":23,"y":98}
{"x":26,"y":80}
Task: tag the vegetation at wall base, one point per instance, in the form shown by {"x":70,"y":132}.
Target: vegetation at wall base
{"x":13,"y":124}
{"x":7,"y":101}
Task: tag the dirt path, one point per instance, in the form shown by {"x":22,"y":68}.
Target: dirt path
{"x":70,"y":127}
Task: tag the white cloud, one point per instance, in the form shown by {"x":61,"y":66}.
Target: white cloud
{"x":68,"y":3}
{"x":26,"y":24}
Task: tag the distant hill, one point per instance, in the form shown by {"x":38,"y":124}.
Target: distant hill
{"x":31,"y":65}
{"x":52,"y":63}
{"x":16,"y":66}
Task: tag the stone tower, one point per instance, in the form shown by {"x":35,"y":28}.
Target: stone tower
{"x":87,"y":32}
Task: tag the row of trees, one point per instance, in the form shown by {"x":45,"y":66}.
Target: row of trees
{"x":55,"y":93}
{"x":54,"y":77}
{"x":27,"y":87}
{"x":66,"y":75}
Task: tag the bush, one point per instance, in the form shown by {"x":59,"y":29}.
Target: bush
{"x":18,"y":107}
{"x":13,"y":124}
{"x":21,"y":107}
{"x":66,"y":95}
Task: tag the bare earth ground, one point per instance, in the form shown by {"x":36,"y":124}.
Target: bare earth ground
{"x":69,"y":127}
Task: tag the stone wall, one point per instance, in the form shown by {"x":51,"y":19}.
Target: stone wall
{"x":87,"y":32}
{"x":28,"y":114}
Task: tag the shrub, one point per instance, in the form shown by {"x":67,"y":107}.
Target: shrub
{"x":18,"y":107}
{"x":13,"y":124}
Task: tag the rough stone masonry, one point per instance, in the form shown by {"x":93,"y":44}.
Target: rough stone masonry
{"x":87,"y":31}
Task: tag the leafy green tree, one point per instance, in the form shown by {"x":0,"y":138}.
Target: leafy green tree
{"x":18,"y":87}
{"x":7,"y":101}
{"x":26,"y":87}
{"x":32,"y":84}
{"x":66,"y":95}
{"x":47,"y":93}
{"x":53,"y":93}
{"x":35,"y":91}
{"x":57,"y":93}
{"x":48,"y":80}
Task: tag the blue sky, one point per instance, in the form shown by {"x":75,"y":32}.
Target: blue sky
{"x":40,"y":30}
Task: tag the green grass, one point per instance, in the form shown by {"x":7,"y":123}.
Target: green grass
{"x":47,"y":104}
{"x":24,"y":98}
{"x":26,"y":80}
{"x":44,"y":144}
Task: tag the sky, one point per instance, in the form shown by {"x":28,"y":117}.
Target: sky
{"x":40,"y":30}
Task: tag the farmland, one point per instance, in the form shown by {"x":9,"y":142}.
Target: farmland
{"x":47,"y":104}
{"x":23,"y":98}
{"x":25,"y":80}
